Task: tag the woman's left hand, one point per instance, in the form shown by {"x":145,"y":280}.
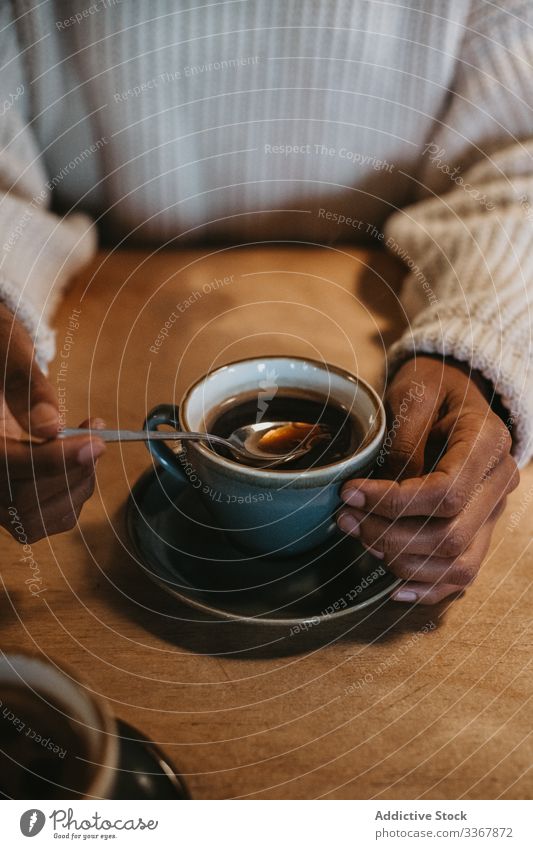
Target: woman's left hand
{"x":433,"y":530}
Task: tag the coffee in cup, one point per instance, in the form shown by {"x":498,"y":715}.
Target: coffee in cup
{"x":328,"y":429}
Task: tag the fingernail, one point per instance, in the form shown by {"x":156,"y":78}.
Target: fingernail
{"x":89,"y":453}
{"x":44,"y":416}
{"x":98,"y":424}
{"x":354,"y":497}
{"x":405,"y":595}
{"x":348,"y":524}
{"x":375,"y":553}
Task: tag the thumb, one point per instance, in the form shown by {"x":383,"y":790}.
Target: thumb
{"x":28,"y":394}
{"x":412,"y":408}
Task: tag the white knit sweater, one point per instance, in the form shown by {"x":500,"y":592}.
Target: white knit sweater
{"x":244,"y":119}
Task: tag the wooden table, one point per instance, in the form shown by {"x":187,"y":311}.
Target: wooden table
{"x":409,"y":703}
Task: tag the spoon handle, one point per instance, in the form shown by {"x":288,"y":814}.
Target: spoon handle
{"x":137,"y":435}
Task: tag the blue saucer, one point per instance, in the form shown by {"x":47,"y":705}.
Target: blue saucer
{"x":178,"y":548}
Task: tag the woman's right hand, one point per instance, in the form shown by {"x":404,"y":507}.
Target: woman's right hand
{"x":43,"y":486}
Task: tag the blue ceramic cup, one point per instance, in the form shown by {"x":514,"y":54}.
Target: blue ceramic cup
{"x":269,"y":511}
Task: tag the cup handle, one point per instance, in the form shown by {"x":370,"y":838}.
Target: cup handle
{"x":164,"y":414}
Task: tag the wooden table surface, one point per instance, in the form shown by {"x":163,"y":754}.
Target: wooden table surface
{"x":407,"y":703}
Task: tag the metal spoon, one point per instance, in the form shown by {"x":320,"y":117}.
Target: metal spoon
{"x":255,"y":443}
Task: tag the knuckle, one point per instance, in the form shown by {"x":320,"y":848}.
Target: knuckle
{"x":462,"y":573}
{"x":394,"y":502}
{"x":453,"y":500}
{"x":454,"y":543}
{"x":403,"y":448}
{"x":388,"y":542}
{"x":402,"y":569}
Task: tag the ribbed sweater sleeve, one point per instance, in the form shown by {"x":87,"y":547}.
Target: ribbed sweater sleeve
{"x":39,"y":252}
{"x":468,"y":240}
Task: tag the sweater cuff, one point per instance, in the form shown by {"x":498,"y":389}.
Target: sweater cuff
{"x":481,"y":346}
{"x":42,"y":335}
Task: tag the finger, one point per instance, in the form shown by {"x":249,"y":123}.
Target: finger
{"x":445,"y":491}
{"x":459,"y":571}
{"x":28,"y":394}
{"x":23,"y":461}
{"x":440,"y":537}
{"x":402,"y":536}
{"x":412,"y":407}
{"x":405,"y":536}
{"x":413,"y":592}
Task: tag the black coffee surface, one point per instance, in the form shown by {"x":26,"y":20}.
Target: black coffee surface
{"x":38,"y":742}
{"x":345,"y":433}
